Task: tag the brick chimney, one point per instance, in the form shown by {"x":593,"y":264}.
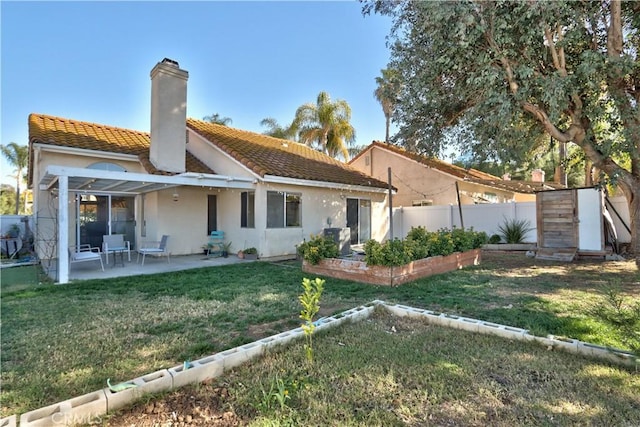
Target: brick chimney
{"x":537,"y":175}
{"x":168,"y":116}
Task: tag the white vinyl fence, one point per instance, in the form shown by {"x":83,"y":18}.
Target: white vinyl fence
{"x":622,"y":208}
{"x":486,"y":217}
{"x":7,"y":221}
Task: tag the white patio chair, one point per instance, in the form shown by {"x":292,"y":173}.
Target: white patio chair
{"x":154,"y":248}
{"x":113,"y":243}
{"x":85,"y":252}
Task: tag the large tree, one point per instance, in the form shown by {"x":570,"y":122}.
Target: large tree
{"x":326,"y":125}
{"x":387,"y":94}
{"x":18,"y":157}
{"x":505,"y":71}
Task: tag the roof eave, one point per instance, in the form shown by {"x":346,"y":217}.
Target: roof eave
{"x":322,"y":184}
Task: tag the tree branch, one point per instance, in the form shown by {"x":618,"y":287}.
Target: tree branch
{"x":554,"y":54}
{"x":614,"y":32}
{"x":574,"y":132}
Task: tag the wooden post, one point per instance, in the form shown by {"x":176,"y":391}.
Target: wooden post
{"x":390,"y":205}
{"x":459,"y":205}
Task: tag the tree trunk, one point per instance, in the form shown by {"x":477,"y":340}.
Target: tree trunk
{"x":18,"y":194}
{"x":386,"y":134}
{"x":588,"y":173}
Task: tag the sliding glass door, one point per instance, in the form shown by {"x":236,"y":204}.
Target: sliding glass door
{"x":99,"y":215}
{"x":359,"y":220}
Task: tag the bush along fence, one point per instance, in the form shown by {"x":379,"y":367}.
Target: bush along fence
{"x":394,"y":262}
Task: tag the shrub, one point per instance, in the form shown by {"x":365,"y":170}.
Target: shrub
{"x":391,"y":252}
{"x":479,"y":238}
{"x":462,"y":240}
{"x":318,"y":248}
{"x":421,"y":243}
{"x":418,"y":238}
{"x":495,"y":239}
{"x":514,"y":230}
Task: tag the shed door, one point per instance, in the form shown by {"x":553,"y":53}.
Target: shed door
{"x":557,"y":213}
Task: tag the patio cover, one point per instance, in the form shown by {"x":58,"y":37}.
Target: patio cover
{"x":67,"y":179}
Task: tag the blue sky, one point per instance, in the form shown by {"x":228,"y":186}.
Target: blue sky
{"x":91,"y":61}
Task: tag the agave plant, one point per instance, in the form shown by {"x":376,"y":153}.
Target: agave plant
{"x":514,"y":230}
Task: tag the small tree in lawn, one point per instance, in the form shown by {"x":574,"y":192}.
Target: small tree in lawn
{"x":310,"y":300}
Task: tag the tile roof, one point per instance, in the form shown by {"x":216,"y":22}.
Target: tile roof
{"x":470,"y":175}
{"x":261,"y":154}
{"x":431,"y":162}
{"x":92,"y":136}
{"x":265,"y":155}
{"x":525,"y":187}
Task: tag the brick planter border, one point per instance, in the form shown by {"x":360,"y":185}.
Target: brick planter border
{"x":358,"y":271}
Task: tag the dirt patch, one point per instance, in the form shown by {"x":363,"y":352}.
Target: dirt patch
{"x":202,"y":405}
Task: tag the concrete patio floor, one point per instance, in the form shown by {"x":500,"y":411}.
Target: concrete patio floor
{"x":152,"y":265}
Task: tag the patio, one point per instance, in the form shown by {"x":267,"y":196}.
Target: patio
{"x":152,"y":265}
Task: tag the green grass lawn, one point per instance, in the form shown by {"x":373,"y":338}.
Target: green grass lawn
{"x":390,"y":371}
{"x":63,"y":341}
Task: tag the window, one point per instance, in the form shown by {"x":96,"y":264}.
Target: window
{"x":492,"y":197}
{"x":423,"y":202}
{"x":107,"y":166}
{"x":247,"y":209}
{"x":212,"y":213}
{"x":284,"y":209}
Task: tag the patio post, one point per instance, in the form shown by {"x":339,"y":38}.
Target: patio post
{"x":63,"y":229}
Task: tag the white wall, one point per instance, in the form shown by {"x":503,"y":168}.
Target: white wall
{"x":590,"y":226}
{"x":622,"y":207}
{"x":319,"y":207}
{"x":486,"y":217}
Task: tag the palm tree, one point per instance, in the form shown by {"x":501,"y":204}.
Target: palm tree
{"x":387,"y":94}
{"x":326,"y":124}
{"x":278,"y":131}
{"x":18,"y":157}
{"x":355,"y":150}
{"x":216,"y":118}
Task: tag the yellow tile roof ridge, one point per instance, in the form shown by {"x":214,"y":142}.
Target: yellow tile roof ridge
{"x":91,"y":124}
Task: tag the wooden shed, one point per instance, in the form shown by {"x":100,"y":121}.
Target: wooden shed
{"x":570,"y":222}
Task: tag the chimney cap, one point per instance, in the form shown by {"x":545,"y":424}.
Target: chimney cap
{"x":171,"y":62}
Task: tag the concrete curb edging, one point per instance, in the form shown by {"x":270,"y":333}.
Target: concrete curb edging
{"x":91,"y":406}
{"x":10,"y":421}
{"x":551,"y":342}
{"x":79,"y":409}
{"x":154,"y":382}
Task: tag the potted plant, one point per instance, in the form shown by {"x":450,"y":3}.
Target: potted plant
{"x":226,"y":247}
{"x":249,"y":253}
